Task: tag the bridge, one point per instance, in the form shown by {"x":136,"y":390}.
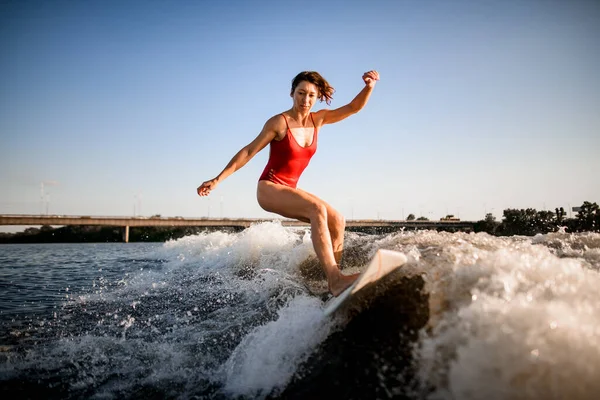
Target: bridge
{"x":127,"y":222}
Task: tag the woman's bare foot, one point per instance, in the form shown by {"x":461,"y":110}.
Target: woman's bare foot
{"x":340,"y":282}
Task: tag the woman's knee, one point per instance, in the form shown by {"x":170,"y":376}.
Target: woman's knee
{"x":337,"y":220}
{"x":318,"y":210}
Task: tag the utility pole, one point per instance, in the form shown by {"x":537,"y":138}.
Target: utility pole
{"x":44,"y":199}
{"x":41,"y":198}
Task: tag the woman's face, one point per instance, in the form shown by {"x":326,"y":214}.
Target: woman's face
{"x":305,"y":95}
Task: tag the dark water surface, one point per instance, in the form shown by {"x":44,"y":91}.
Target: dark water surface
{"x":239,"y":315}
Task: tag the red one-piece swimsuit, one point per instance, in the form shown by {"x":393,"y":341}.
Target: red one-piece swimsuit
{"x":287,"y":159}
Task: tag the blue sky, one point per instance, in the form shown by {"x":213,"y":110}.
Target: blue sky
{"x":123,"y":107}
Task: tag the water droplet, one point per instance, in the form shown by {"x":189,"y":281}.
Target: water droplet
{"x":535,"y":353}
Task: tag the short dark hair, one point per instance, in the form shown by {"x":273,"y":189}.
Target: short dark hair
{"x":325,"y":89}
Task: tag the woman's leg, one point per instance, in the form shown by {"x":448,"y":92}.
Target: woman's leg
{"x":297,"y":204}
{"x":336,"y":224}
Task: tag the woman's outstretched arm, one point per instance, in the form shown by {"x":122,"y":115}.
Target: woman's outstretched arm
{"x":268,"y":133}
{"x":332,"y":116}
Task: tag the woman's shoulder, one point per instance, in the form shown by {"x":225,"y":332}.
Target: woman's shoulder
{"x":318,"y":116}
{"x":277,"y":118}
{"x":277,"y":124}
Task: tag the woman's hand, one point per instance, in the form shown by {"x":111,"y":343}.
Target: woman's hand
{"x":370,"y":78}
{"x":206,"y":187}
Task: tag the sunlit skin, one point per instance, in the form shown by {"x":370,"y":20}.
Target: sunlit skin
{"x":327,"y":224}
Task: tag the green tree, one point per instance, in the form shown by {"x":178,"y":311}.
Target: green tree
{"x":545,"y":222}
{"x":519,"y":222}
{"x":31,"y":231}
{"x":489,"y":224}
{"x":589,"y":217}
{"x":560,"y":215}
{"x":410,"y":217}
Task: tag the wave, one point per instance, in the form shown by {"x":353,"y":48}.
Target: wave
{"x":228,"y":315}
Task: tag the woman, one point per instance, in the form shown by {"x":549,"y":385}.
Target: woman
{"x":293,"y":139}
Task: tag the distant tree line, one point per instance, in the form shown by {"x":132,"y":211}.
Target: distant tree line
{"x":411,"y":217}
{"x":99,"y":234}
{"x":529,"y":222}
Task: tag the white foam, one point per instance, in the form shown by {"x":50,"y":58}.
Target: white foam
{"x":267,"y":358}
{"x":265,"y":244}
{"x":510,"y":320}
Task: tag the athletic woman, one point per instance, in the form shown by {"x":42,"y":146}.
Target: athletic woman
{"x":292,"y":136}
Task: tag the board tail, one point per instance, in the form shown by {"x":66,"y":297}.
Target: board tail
{"x":384,"y":262}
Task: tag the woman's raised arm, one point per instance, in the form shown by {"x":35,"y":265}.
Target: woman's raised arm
{"x":332,"y":116}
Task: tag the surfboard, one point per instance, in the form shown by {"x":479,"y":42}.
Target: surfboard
{"x":384,"y":262}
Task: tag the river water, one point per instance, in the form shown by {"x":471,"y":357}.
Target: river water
{"x":239,"y":315}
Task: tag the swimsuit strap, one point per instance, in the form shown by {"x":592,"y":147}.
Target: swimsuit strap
{"x":313,"y":121}
{"x":286,"y":123}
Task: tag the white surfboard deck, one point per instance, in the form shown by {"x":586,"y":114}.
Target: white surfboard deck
{"x":384,"y":262}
